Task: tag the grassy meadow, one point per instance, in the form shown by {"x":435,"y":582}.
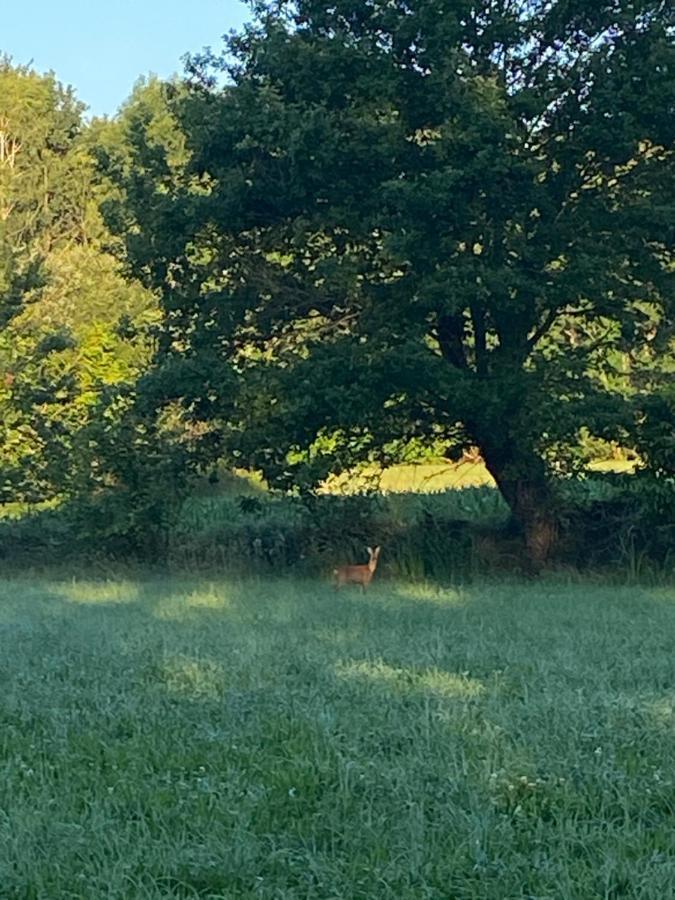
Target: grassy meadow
{"x":192,"y":738}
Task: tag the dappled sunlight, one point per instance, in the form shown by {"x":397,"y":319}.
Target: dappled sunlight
{"x":404,"y":680}
{"x":520,"y":719}
{"x":431,"y":593}
{"x":662,"y":711}
{"x":664,"y":594}
{"x":94,"y":592}
{"x":181,"y":606}
{"x":393,"y":592}
{"x":195,"y":678}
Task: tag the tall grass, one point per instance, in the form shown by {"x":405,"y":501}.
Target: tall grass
{"x":424,"y":534}
{"x":623,"y":525}
{"x":194,"y":738}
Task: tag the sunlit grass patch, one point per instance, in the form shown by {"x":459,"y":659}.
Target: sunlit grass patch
{"x":179,"y":605}
{"x":614,"y":465}
{"x":663,"y":711}
{"x":93,"y":592}
{"x":419,"y":478}
{"x":431,"y":593}
{"x":193,"y":677}
{"x":665,"y":594}
{"x":401,"y":680}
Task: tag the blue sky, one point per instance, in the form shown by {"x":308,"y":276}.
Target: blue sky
{"x":101,"y":47}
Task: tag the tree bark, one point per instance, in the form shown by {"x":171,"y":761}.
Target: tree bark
{"x":521,"y":477}
{"x":498,"y":425}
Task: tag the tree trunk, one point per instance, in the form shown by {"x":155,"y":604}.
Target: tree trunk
{"x":521,"y":477}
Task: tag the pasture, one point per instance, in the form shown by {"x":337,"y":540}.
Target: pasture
{"x":193,"y":738}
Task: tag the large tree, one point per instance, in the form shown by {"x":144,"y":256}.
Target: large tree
{"x":447,"y":220}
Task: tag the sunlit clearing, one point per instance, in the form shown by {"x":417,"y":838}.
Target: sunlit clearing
{"x":432,"y":681}
{"x":194,"y":677}
{"x":177,"y":606}
{"x":93,"y":592}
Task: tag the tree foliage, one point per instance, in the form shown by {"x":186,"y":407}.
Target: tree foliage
{"x":70,"y":324}
{"x":413,"y":221}
{"x":43,"y":200}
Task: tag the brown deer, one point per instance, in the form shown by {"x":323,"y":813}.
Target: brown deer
{"x":362,"y":575}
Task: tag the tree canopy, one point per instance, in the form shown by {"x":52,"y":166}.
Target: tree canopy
{"x":413,"y":222}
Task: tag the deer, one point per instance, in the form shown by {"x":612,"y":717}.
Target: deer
{"x":362,"y":575}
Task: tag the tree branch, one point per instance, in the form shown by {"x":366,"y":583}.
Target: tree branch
{"x":479,"y":334}
{"x":450,"y":334}
{"x":552,"y":315}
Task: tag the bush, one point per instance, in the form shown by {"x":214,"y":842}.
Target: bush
{"x":622,"y":521}
{"x":619,"y":523}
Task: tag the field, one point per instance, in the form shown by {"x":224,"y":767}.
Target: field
{"x":421,"y":478}
{"x":220,"y":739}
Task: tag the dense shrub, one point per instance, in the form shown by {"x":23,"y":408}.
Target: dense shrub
{"x":624,"y":524}
{"x":624,"y":521}
{"x":423,"y":535}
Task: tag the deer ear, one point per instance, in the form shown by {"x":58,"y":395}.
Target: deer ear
{"x":370,"y":552}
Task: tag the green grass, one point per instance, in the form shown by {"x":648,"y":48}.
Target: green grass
{"x":191,"y":738}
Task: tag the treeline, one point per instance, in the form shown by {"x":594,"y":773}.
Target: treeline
{"x":76,"y":333}
{"x":364,"y":233}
